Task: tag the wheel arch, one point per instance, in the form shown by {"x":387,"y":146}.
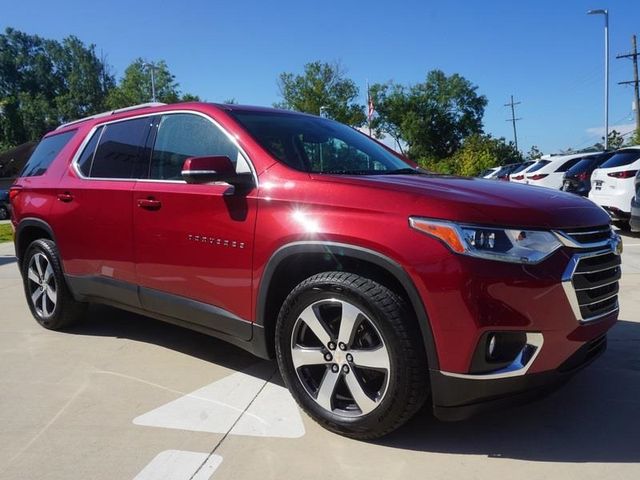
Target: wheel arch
{"x":28,"y":230}
{"x":285,"y":269}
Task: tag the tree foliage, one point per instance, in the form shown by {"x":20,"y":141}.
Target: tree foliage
{"x":432,"y":118}
{"x":477,"y":153}
{"x":46,"y":82}
{"x":322,"y":85}
{"x":135,"y":86}
{"x":534,"y":153}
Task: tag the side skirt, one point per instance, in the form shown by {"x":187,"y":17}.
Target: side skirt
{"x":174,"y":309}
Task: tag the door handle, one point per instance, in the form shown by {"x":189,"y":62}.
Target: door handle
{"x":149,"y":203}
{"x":65,"y":197}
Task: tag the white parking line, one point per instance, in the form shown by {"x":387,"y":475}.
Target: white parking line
{"x":180,"y":465}
{"x":215,"y":408}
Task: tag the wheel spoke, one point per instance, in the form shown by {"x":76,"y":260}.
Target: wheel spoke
{"x":365,"y":404}
{"x":33,"y":275}
{"x":48,"y":272}
{"x":316,"y":325}
{"x":36,"y":260}
{"x":302,"y":356}
{"x":377,"y":359}
{"x":45,"y":311}
{"x":348,"y":323}
{"x":35,"y":296}
{"x":327,"y":387}
{"x":52,"y":294}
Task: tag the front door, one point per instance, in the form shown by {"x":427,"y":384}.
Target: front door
{"x":193,"y":243}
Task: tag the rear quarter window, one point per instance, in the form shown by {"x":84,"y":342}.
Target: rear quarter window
{"x":44,"y":154}
{"x":621,"y":159}
{"x":568,"y":164}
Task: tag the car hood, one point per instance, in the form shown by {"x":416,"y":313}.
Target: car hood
{"x":477,"y":200}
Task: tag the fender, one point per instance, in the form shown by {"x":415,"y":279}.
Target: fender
{"x":31,"y":222}
{"x":359,"y":253}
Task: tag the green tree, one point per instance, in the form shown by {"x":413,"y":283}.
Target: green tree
{"x":135,"y":86}
{"x":432,"y":118}
{"x":45,"y":82}
{"x":479,"y":152}
{"x":534,"y":153}
{"x":322,"y":85}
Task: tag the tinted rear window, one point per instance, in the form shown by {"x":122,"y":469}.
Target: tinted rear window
{"x":568,"y":164}
{"x":538,"y":166}
{"x":521,"y":167}
{"x":45,"y":152}
{"x":622,"y":158}
{"x":120,"y":149}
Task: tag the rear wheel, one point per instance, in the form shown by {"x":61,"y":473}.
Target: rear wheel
{"x":348,"y":350}
{"x":49,"y":299}
{"x":4,"y":212}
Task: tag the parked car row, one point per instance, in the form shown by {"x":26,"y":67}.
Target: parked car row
{"x":610,"y":179}
{"x":5,"y":206}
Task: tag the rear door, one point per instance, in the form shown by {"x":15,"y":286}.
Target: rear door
{"x":194,"y":243}
{"x":93,"y":215}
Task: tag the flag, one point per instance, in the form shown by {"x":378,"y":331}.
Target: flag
{"x":370,"y":106}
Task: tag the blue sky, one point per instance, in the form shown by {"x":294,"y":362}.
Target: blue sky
{"x":548,"y":54}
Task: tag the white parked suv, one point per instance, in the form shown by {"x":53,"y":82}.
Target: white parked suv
{"x":612,"y":185}
{"x":521,"y":176}
{"x":549,"y":172}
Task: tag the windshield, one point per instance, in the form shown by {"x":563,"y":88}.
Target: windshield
{"x":319,"y":145}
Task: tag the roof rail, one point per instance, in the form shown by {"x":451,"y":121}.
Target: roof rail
{"x":112,"y":112}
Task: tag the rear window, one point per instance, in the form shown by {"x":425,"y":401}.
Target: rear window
{"x":568,"y":164}
{"x":521,"y":167}
{"x":45,"y":152}
{"x":622,"y":158}
{"x":538,"y":166}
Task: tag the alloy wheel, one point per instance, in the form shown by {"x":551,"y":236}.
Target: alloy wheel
{"x":43,"y":289}
{"x":340,"y":357}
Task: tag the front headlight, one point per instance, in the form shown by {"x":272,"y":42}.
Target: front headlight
{"x":502,"y":244}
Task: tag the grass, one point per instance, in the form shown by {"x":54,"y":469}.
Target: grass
{"x":6,"y":233}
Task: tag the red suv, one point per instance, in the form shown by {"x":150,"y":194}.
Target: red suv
{"x":374,"y":283}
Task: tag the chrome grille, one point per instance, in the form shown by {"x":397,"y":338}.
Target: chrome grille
{"x":589,"y":235}
{"x":591,"y":283}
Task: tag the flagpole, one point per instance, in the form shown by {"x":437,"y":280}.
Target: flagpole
{"x":368,"y":108}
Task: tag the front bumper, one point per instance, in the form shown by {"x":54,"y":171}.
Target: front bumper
{"x":563,"y":305}
{"x":459,"y":398}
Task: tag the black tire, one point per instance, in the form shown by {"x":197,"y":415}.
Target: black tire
{"x":385,"y":312}
{"x":65,"y":311}
{"x":623,"y":225}
{"x":4,"y":212}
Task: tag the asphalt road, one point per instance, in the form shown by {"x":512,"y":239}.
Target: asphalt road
{"x":123,"y":397}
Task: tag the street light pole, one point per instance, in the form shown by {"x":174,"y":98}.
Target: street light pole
{"x":152,"y":67}
{"x":606,"y":72}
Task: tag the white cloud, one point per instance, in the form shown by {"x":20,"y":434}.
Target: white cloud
{"x":622,"y":129}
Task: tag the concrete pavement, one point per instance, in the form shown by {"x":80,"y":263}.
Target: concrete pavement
{"x":122,"y":397}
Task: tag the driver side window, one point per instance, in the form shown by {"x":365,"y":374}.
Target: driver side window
{"x":184,"y":135}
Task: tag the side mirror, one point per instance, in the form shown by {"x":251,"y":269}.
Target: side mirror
{"x":213,"y":169}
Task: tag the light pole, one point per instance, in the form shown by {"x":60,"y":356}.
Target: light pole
{"x":606,"y":72}
{"x":152,"y":67}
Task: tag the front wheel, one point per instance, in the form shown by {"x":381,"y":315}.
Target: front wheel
{"x":348,"y":351}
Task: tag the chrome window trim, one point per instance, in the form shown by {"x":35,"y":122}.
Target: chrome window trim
{"x":515,"y":369}
{"x":76,"y":157}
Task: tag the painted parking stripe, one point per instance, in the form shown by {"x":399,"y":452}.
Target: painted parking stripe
{"x":180,"y":465}
{"x":216,"y":407}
